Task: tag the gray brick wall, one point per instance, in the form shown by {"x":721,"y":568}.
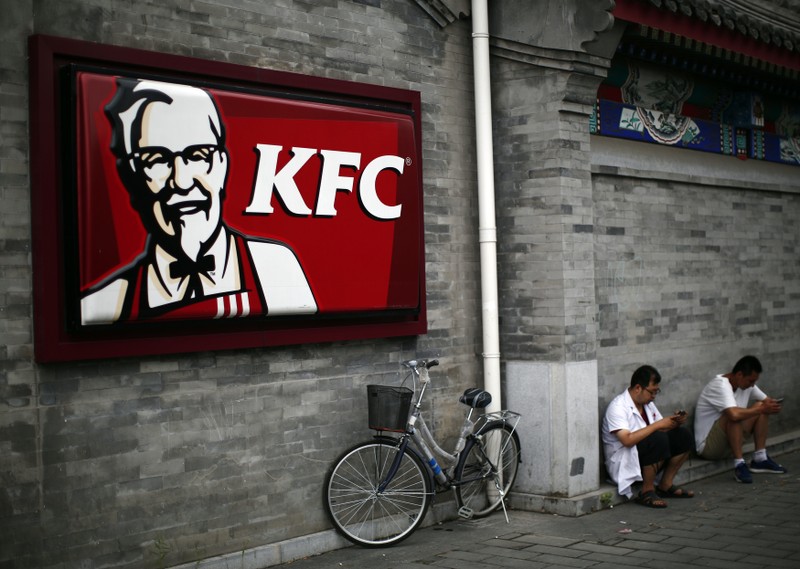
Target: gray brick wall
{"x":692,"y":276}
{"x":19,"y":473}
{"x":544,"y":213}
{"x":158,"y":461}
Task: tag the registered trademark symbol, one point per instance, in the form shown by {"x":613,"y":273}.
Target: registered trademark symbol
{"x":408,"y":161}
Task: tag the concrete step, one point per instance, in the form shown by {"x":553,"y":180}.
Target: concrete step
{"x":606,"y":496}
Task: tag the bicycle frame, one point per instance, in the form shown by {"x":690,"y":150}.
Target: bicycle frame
{"x":417,"y":432}
{"x":377,"y":492}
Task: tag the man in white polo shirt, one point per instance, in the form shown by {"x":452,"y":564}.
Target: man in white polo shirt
{"x":724,"y":418}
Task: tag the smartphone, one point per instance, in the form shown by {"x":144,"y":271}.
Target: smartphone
{"x":681,"y":413}
{"x":779,"y":399}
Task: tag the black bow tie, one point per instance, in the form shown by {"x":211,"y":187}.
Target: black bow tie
{"x":183,"y":268}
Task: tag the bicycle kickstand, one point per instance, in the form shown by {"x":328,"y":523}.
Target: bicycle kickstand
{"x":502,"y":499}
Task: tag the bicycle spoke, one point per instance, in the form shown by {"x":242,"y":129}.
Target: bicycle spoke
{"x":486,"y":471}
{"x":365,"y":516}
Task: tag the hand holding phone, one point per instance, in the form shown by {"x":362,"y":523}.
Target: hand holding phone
{"x":678,"y":417}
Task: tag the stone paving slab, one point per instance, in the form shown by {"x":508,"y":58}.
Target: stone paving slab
{"x":727,"y":524}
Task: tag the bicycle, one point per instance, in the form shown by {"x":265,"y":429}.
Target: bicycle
{"x":378,"y":492}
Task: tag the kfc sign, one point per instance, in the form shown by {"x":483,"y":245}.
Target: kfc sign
{"x":190,"y":199}
{"x":268,"y":178}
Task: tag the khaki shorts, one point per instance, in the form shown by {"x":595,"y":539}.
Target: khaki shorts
{"x":717,"y":446}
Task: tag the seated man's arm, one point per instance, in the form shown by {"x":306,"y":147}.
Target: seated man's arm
{"x":632,"y":438}
{"x":766,"y":406}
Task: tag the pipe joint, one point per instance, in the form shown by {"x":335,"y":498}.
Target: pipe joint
{"x":487,"y":235}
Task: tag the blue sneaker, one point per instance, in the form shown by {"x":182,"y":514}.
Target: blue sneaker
{"x":767,"y":466}
{"x":742,"y":474}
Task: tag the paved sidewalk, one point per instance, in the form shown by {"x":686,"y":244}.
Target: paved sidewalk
{"x":727,"y":525}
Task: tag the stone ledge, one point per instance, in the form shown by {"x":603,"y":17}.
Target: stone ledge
{"x":695,"y":468}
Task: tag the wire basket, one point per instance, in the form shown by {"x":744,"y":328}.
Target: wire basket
{"x":388,"y":407}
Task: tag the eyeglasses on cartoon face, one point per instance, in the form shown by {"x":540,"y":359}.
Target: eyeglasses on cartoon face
{"x":158,"y":162}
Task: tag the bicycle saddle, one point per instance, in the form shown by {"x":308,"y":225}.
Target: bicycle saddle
{"x":476,"y":398}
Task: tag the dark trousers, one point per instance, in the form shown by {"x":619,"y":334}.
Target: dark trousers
{"x":663,"y":445}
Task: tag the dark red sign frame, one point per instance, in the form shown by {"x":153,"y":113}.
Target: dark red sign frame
{"x":53,"y":184}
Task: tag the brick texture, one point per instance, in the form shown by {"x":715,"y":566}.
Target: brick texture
{"x":153,"y":462}
{"x":689,"y":278}
{"x":158,"y":461}
{"x":545,"y":215}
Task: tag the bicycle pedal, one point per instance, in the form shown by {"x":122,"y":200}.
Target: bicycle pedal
{"x":465,"y":512}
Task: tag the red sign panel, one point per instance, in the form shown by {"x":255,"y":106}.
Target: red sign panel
{"x":221,"y":210}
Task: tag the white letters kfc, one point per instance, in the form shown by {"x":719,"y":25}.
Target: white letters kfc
{"x":268,"y":177}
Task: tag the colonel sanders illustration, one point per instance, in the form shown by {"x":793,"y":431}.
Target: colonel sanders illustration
{"x":169,"y":143}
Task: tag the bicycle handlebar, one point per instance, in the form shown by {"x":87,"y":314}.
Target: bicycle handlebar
{"x":414,"y":364}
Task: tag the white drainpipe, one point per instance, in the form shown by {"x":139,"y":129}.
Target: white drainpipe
{"x":487,"y":226}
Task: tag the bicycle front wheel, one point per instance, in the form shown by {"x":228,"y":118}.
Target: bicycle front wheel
{"x":362,"y":514}
{"x":487,"y":470}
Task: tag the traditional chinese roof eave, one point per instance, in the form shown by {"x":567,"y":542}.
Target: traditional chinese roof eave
{"x":765,"y":30}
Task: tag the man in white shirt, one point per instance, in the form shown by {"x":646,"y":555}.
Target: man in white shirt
{"x":724,"y":418}
{"x":640,"y":443}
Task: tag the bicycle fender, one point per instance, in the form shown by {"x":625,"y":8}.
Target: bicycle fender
{"x":502,"y":424}
{"x":394,"y":441}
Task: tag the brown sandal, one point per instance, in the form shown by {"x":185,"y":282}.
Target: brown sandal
{"x":675,"y":492}
{"x":651,"y":500}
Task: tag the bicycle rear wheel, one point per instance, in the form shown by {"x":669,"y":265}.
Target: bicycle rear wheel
{"x":363,"y":515}
{"x":487,"y":470}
